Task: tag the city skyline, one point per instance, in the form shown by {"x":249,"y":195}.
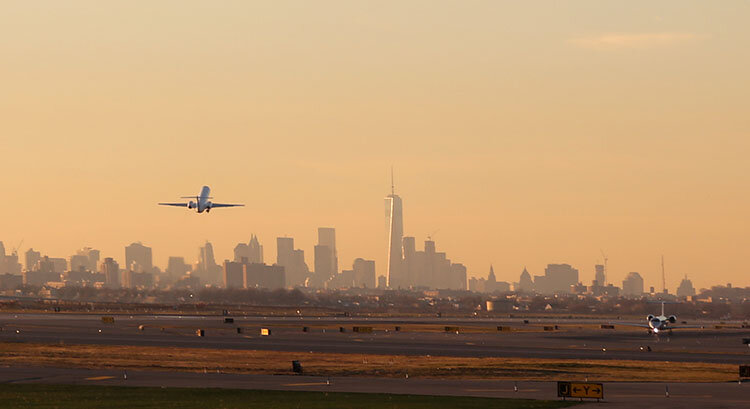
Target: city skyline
{"x":209,"y":271}
{"x":523,"y":135}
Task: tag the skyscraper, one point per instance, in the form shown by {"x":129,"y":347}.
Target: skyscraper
{"x":206,"y":268}
{"x":632,"y":285}
{"x":32,"y":257}
{"x":326,"y":259}
{"x":293,"y":261}
{"x":138,"y":258}
{"x":111,"y":272}
{"x":253,"y":251}
{"x":599,"y":276}
{"x":395,"y":221}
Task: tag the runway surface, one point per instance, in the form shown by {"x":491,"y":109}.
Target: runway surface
{"x":617,"y":395}
{"x":577,"y":339}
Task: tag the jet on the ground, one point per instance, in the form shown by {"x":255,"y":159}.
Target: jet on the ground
{"x":201,"y":203}
{"x":661,"y":323}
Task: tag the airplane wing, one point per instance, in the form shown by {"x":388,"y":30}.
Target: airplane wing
{"x":630,"y":324}
{"x":213,"y":205}
{"x":688,"y":326}
{"x":174,"y":204}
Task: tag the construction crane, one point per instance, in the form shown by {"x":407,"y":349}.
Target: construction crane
{"x":429,"y":236}
{"x":605,"y":267}
{"x":15,"y":250}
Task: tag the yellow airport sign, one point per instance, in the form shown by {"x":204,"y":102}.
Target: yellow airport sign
{"x":580,"y":390}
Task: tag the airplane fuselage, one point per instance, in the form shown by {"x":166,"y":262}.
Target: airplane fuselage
{"x":202,"y":202}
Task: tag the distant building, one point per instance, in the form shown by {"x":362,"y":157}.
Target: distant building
{"x":599,"y":277}
{"x":558,"y":278}
{"x":31,"y":258}
{"x":111,"y":271}
{"x":86,"y":257}
{"x":525,"y":284}
{"x":176,"y":268}
{"x":686,"y":288}
{"x":364,"y":273}
{"x":326,"y":258}
{"x":244,"y":274}
{"x":632,"y":285}
{"x":138,"y":258}
{"x":430,"y":268}
{"x":256,"y":275}
{"x":296,"y":271}
{"x":395,"y":221}
{"x":135,"y":279}
{"x":206,"y":268}
{"x":234,"y":273}
{"x":382,"y":283}
{"x":253,"y":251}
{"x":10,"y":281}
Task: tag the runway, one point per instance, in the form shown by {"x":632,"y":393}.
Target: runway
{"x":577,"y":339}
{"x":617,"y":395}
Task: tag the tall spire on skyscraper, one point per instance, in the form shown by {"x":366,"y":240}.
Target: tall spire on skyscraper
{"x":394,"y":215}
{"x":393,"y":185}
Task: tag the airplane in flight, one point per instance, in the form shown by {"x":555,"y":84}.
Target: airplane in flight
{"x":661,"y":323}
{"x":202,"y":202}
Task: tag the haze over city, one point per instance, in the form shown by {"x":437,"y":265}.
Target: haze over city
{"x":599,"y":127}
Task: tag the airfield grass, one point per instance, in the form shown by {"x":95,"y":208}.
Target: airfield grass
{"x":42,"y":396}
{"x":365,"y":365}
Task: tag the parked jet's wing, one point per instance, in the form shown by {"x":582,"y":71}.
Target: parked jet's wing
{"x":224,"y":205}
{"x":687,"y":326}
{"x":174,"y":204}
{"x":630,"y":324}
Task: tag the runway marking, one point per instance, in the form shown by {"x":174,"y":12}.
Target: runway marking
{"x":99,"y":378}
{"x":305,"y":384}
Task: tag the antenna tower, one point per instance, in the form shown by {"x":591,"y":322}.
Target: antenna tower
{"x":663,"y":276}
{"x":605,"y":268}
{"x":393,"y":185}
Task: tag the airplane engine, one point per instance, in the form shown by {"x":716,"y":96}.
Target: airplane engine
{"x":650,"y":317}
{"x":191,"y":205}
{"x":672,"y":319}
{"x":208,"y":205}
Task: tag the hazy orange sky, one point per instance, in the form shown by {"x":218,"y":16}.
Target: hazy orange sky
{"x":524,"y":133}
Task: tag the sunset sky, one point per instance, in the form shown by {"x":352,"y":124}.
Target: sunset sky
{"x":521,"y":133}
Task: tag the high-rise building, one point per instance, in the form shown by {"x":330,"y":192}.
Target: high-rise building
{"x":296,"y":271}
{"x":364,"y":273}
{"x":686,"y":288}
{"x":111,"y":271}
{"x":253,"y":251}
{"x":234,"y":273}
{"x":430,"y":268}
{"x":138,"y":258}
{"x":557,"y":279}
{"x":32,"y":258}
{"x":326,"y":258}
{"x":3,"y":267}
{"x":206,"y":268}
{"x":632,"y":285}
{"x":599,"y":277}
{"x":395,"y":223}
{"x":176,"y":267}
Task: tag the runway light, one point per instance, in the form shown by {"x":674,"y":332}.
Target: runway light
{"x":18,"y":331}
